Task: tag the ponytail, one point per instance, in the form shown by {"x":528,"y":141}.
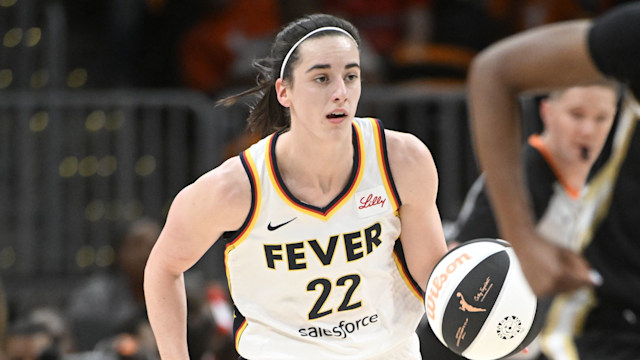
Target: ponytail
{"x":266,"y":114}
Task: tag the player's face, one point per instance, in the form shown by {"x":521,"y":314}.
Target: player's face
{"x":325,"y":91}
{"x":578,"y":121}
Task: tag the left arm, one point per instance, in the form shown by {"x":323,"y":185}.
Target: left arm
{"x":416,"y":179}
{"x":547,"y":57}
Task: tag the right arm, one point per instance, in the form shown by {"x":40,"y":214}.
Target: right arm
{"x":543,"y":58}
{"x":217,"y":202}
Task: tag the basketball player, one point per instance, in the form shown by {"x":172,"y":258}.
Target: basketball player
{"x":320,"y":212}
{"x":590,"y":322}
{"x":576,"y":122}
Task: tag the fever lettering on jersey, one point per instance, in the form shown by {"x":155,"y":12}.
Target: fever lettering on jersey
{"x":296,"y":255}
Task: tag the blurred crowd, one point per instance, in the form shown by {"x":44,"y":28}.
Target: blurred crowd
{"x":209,"y":45}
{"x":104,"y":317}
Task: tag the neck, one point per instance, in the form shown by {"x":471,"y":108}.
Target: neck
{"x":574,"y":174}
{"x":314,"y":171}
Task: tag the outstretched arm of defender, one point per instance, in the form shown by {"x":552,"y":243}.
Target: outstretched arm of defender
{"x":543,"y":58}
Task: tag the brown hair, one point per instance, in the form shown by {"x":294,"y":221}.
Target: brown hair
{"x":615,"y":86}
{"x":267,"y":114}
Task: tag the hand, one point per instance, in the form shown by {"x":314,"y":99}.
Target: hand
{"x":452,"y":244}
{"x":551,"y":269}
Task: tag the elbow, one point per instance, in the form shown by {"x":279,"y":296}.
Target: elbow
{"x":150,"y":272}
{"x":157,"y":271}
{"x":488,"y":67}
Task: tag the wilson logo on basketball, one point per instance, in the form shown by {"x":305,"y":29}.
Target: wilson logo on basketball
{"x":439,"y":281}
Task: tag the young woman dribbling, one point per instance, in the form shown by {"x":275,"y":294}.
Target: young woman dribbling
{"x":331,"y":221}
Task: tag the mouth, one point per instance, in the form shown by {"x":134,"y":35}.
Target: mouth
{"x":584,"y":153}
{"x":336,"y":115}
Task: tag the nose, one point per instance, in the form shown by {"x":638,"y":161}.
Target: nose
{"x":340,"y":91}
{"x":589,"y":127}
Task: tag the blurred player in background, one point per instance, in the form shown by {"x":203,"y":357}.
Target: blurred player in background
{"x":589,"y":322}
{"x":576,"y":123}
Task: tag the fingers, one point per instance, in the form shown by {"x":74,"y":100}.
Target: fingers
{"x":557,"y":270}
{"x":575,"y":273}
{"x":596,"y":278}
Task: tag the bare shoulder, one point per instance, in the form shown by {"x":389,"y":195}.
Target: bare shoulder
{"x":217,"y":202}
{"x":405,"y":150}
{"x":411,"y":163}
{"x":220,"y":198}
{"x":229,"y":180}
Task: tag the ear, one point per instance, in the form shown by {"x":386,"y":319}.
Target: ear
{"x":282,"y":91}
{"x":545,"y":111}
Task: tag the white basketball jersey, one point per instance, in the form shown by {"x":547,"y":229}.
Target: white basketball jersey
{"x":323,"y":283}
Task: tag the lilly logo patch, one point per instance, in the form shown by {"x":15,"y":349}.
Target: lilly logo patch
{"x":372,"y":202}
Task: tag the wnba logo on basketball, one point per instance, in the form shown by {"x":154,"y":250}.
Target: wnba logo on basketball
{"x":438,"y":283}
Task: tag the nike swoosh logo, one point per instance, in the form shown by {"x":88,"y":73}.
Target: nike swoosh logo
{"x":271,"y":228}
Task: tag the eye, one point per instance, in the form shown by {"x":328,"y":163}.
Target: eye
{"x":320,"y":78}
{"x":577,"y":114}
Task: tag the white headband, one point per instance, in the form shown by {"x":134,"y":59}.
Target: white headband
{"x":293,"y":48}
